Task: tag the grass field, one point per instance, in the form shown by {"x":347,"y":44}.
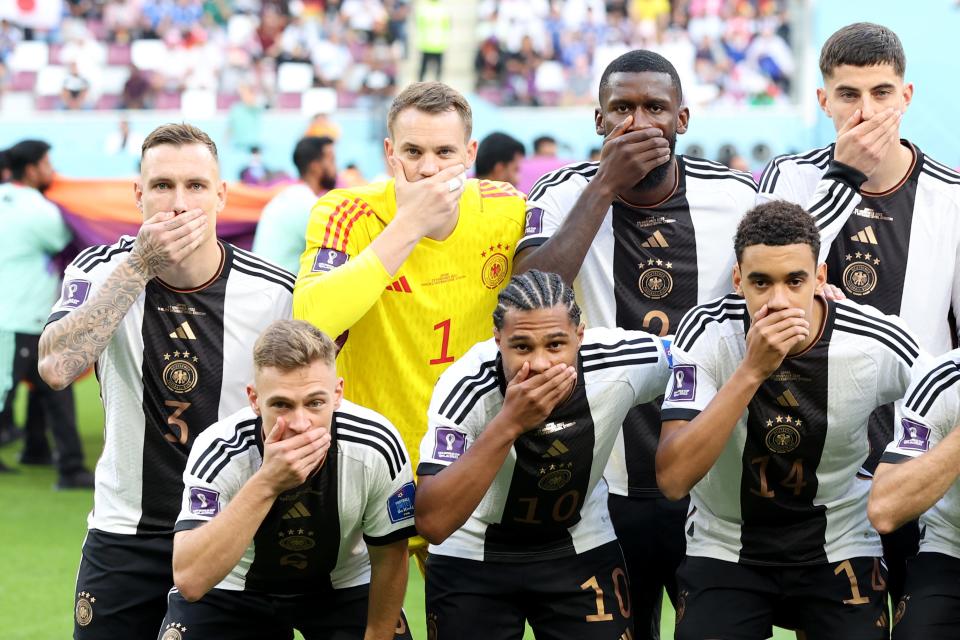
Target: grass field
{"x":41,"y":531}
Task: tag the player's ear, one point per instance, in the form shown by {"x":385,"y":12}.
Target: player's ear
{"x":338,"y":394}
{"x":821,"y":275}
{"x":580,"y":329}
{"x":737,"y":279}
{"x":252,"y":398}
{"x":683,"y":120}
{"x":471,"y":153}
{"x":138,"y":194}
{"x":907,"y":95}
{"x":388,"y":148}
{"x":598,"y":121}
{"x":221,"y":195}
{"x":496,"y":336}
{"x":822,"y":99}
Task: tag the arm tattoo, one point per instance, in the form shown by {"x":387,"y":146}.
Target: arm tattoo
{"x":77,"y":340}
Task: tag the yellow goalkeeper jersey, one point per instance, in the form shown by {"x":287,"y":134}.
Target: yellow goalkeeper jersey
{"x":438,"y":304}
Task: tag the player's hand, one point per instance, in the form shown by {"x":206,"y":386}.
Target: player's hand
{"x":289,"y":458}
{"x":772,"y":336}
{"x":429,"y":205}
{"x":833,"y":292}
{"x":165,"y":239}
{"x":530,"y":399}
{"x":628,"y":156}
{"x":862,"y":144}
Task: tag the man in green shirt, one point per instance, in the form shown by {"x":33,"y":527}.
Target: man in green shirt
{"x":32,"y":231}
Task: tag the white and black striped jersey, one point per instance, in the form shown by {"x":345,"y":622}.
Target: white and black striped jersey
{"x":897,"y":251}
{"x":549,"y":499}
{"x":645,"y":268}
{"x":178,"y":362}
{"x":929,"y":413}
{"x":314,"y":537}
{"x":785,"y":490}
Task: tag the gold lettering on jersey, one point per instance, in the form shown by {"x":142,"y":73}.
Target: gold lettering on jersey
{"x":173,"y":631}
{"x":553,"y":427}
{"x":788,"y":376}
{"x":443,"y":278}
{"x":867,"y":212}
{"x":83,"y":612}
{"x":783,"y":435}
{"x":181,"y":308}
{"x":496,"y":267}
{"x":180,"y":375}
{"x":655,"y":221}
{"x":656,"y":282}
{"x":555,"y":476}
{"x":297,"y":540}
{"x":295,"y":560}
{"x":860,"y":275}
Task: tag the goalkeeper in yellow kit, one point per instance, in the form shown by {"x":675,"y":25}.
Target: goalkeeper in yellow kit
{"x":406,"y":272}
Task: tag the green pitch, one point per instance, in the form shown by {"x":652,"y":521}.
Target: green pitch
{"x":42,"y":530}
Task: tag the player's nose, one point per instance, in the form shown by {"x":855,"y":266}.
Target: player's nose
{"x":429,"y":167}
{"x":180,"y":200}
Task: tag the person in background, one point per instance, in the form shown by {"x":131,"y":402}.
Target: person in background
{"x":498,"y":158}
{"x":283,"y":223}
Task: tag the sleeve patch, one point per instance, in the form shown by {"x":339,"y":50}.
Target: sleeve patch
{"x":75,"y":293}
{"x":534,"y":221}
{"x":916,"y":437}
{"x":204,"y":502}
{"x":328,"y":259}
{"x":684,"y":383}
{"x":450,"y":444}
{"x":400,"y":504}
{"x":667,"y":343}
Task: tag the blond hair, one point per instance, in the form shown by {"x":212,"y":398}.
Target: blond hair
{"x":292,"y":344}
{"x":178,"y":135}
{"x":431,"y":97}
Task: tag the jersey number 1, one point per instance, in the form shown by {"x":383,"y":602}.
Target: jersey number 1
{"x":445,"y":356}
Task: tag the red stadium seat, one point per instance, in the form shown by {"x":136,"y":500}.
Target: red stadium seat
{"x":288,"y":101}
{"x":167,"y":100}
{"x":118,"y":54}
{"x":23,"y":80}
{"x":47,"y":103}
{"x":55,"y":50}
{"x":108,"y":101}
{"x":226,"y":100}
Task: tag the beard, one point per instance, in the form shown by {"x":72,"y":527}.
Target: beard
{"x":659,"y":173}
{"x":329,"y":182}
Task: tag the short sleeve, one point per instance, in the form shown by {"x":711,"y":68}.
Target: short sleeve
{"x":205,"y":492}
{"x":652,"y":371}
{"x":547,"y":208}
{"x":929,"y":412}
{"x":388,"y":517}
{"x":82,"y":278}
{"x":692,"y":383}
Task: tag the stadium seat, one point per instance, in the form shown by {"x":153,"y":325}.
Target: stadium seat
{"x":288,"y":101}
{"x":167,"y":100}
{"x":113,"y":79}
{"x":118,"y":54}
{"x":50,"y":81}
{"x":108,"y":101}
{"x":29,"y":55}
{"x":226,"y":100}
{"x":294,"y":77}
{"x":149,"y":55}
{"x":56,"y":50}
{"x":47,"y":103}
{"x":198,"y":104}
{"x":23,"y":80}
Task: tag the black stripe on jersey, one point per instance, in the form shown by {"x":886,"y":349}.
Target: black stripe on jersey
{"x":552,"y":179}
{"x":938,"y":171}
{"x":596,"y":350}
{"x":890,"y":457}
{"x":883,"y":331}
{"x":373,"y":434}
{"x":257,"y":263}
{"x":89,"y":253}
{"x":819,"y":157}
{"x":930,"y":378}
{"x":256,"y":272}
{"x":695,"y":322}
{"x":828,"y":208}
{"x":464,"y":385}
{"x":609,"y":364}
{"x":708,"y":170}
{"x":530,"y":241}
{"x":938,"y":385}
{"x":124,"y":246}
{"x":222,"y":449}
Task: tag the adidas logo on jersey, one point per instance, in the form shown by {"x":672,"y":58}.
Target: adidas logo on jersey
{"x":184,"y":332}
{"x":557,"y":448}
{"x":787,"y":399}
{"x":866,"y":235}
{"x":401,"y":285}
{"x":296,"y":511}
{"x":656,"y":241}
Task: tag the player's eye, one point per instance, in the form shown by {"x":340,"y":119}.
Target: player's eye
{"x":622,"y":108}
{"x":196,"y":186}
{"x":556,"y":345}
{"x":280,"y":405}
{"x":162,"y":186}
{"x":316,"y":404}
{"x":413,"y":152}
{"x":655,"y":108}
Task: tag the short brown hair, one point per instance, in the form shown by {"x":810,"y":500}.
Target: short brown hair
{"x":863,"y":44}
{"x":291,"y":344}
{"x":431,"y":97}
{"x":178,"y":135}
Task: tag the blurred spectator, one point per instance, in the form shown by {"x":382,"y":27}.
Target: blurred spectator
{"x":75,"y":89}
{"x":138,"y":90}
{"x":283,"y":223}
{"x":123,"y":141}
{"x":433,"y":35}
{"x":595,"y":154}
{"x":545,"y":147}
{"x":489,"y":65}
{"x":322,"y":125}
{"x":245,"y":120}
{"x":256,"y":172}
{"x":351,"y":177}
{"x":498,"y":158}
{"x":331,"y":59}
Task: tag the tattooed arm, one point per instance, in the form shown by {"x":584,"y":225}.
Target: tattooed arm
{"x":70,"y":345}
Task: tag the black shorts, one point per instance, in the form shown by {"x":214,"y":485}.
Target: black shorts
{"x":930,"y":607}
{"x":732,"y":601}
{"x":122,"y":586}
{"x":650,"y":531}
{"x":582,"y":597}
{"x":243,"y":615}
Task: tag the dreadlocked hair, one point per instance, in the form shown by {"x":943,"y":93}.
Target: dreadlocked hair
{"x":535,"y":290}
